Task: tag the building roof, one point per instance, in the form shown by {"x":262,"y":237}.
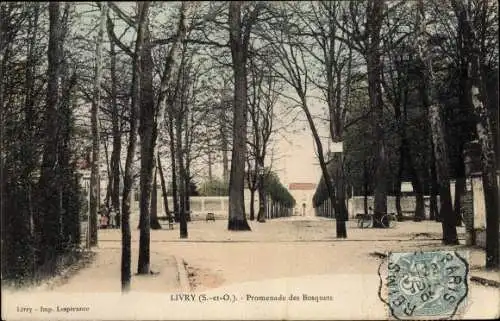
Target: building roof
{"x":301,"y":186}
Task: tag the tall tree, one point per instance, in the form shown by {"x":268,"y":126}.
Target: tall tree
{"x":171,"y":88}
{"x":50,"y":214}
{"x":476,"y":97}
{"x":95,"y":180}
{"x":293,"y":70}
{"x":396,"y":82}
{"x":116,"y":132}
{"x":335,"y":60}
{"x":143,"y":9}
{"x":430,"y":101}
{"x":374,"y":18}
{"x":265,"y":90}
{"x":173,"y":159}
{"x":147,"y":136}
{"x":239,"y":38}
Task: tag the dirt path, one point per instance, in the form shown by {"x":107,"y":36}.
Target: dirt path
{"x":285,"y":257}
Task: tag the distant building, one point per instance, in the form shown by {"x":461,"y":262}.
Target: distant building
{"x":303,"y":194}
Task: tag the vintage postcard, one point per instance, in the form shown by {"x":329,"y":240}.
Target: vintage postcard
{"x":256,"y":160}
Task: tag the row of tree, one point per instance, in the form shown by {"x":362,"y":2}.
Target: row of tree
{"x":430,"y":70}
{"x":280,"y":202}
{"x":192,"y":83}
{"x":40,"y":197}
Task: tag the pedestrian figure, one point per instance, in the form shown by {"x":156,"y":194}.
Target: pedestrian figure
{"x":112,"y":218}
{"x":103,"y":220}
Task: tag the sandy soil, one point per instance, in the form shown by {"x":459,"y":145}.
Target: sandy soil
{"x":298,"y":256}
{"x":288,"y":247}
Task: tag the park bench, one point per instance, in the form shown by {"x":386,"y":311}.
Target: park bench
{"x":210,"y":217}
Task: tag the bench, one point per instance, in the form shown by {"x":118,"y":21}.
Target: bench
{"x":210,"y":217}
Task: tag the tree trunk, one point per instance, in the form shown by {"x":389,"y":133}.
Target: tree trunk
{"x":155,"y":224}
{"x":163,"y":189}
{"x":143,"y":8}
{"x":109,"y":185}
{"x":50,"y":214}
{"x":430,"y":101}
{"x":173,"y":161}
{"x":239,"y":47}
{"x":341,"y":214}
{"x":225,"y":148}
{"x":166,"y":86}
{"x":415,"y":180}
{"x":417,"y":188}
{"x":210,"y":175}
{"x":27,"y":217}
{"x":447,"y":214}
{"x":261,"y":215}
{"x":477,"y":96}
{"x":490,"y":183}
{"x":186,"y":155}
{"x":183,"y":232}
{"x":117,"y":142}
{"x":225,"y":163}
{"x":434,"y":189}
{"x":408,"y":160}
{"x":187,"y":201}
{"x":459,"y":192}
{"x":68,"y":190}
{"x":252,"y":206}
{"x":399,"y":211}
{"x":95,"y":180}
{"x":365,"y":187}
{"x":147,"y":134}
{"x":374,"y":67}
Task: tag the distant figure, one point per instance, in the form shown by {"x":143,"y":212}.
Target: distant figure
{"x":112,"y":218}
{"x":303,"y":209}
{"x":103,"y":221}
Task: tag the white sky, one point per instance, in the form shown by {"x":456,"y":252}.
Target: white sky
{"x":298,"y":162}
{"x":295,"y":155}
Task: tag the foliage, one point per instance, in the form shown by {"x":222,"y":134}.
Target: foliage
{"x":40,"y":208}
{"x":276,"y":190}
{"x":215,"y":187}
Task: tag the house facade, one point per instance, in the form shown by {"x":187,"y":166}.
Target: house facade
{"x":303,"y":194}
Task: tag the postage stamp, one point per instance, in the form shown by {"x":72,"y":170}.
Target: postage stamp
{"x":426,"y":284}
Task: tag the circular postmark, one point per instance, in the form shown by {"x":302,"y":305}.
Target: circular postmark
{"x":426,"y":284}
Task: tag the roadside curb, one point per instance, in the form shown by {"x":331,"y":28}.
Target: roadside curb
{"x":473,"y":278}
{"x":182,"y":275}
